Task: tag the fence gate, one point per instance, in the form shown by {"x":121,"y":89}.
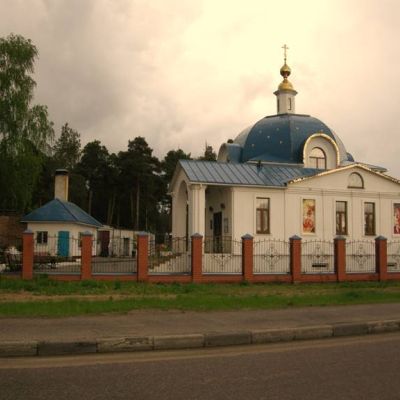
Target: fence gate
{"x":222,"y":255}
{"x":170,"y":258}
{"x":317,"y":257}
{"x":360,"y":257}
{"x":119,"y":257}
{"x":271,"y":257}
{"x":393,"y":256}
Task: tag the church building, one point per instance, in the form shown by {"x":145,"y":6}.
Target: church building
{"x":287,"y":174}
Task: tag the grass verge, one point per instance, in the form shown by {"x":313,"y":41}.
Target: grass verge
{"x":44,"y":297}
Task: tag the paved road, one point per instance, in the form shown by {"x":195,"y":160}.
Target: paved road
{"x":353,"y":368}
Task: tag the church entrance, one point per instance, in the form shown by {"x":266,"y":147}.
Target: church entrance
{"x":217,"y":235}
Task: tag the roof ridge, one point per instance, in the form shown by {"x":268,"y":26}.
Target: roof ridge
{"x":66,"y":208}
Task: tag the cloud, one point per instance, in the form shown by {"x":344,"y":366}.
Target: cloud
{"x":182,"y":73}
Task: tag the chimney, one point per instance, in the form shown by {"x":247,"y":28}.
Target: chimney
{"x":61,"y":185}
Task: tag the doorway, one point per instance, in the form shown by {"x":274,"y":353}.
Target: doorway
{"x":63,"y":243}
{"x":217,"y":232}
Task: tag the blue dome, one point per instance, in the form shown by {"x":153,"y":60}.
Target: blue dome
{"x":280,"y":138}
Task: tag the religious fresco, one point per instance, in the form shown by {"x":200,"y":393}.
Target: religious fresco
{"x":308,"y":216}
{"x":396,"y":220}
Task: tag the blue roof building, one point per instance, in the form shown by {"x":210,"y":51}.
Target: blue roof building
{"x":58,"y":224}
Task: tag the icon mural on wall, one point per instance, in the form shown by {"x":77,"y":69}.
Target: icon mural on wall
{"x":396,"y":215}
{"x":309,"y":216}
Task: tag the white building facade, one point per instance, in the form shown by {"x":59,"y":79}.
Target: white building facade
{"x":288,"y":174}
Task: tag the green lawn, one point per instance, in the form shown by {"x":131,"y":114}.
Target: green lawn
{"x":44,"y":297}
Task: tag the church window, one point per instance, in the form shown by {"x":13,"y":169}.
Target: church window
{"x":262,"y":215}
{"x":341,"y":218}
{"x":355,"y":181}
{"x":290,"y":103}
{"x":369,"y":218}
{"x":41,"y":237}
{"x":317,"y":158}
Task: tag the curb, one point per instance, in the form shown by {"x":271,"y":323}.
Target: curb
{"x":191,"y":341}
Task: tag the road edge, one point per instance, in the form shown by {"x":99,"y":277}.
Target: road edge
{"x":194,"y":340}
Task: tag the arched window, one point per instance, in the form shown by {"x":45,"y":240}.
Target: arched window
{"x":355,"y":181}
{"x":317,"y":158}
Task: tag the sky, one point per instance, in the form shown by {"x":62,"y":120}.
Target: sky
{"x":183,"y":73}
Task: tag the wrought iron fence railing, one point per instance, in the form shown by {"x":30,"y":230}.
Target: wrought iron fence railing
{"x":222,"y":255}
{"x":317,"y":257}
{"x":393,"y":256}
{"x":58,"y":254}
{"x":120,"y":260}
{"x":10,"y":254}
{"x":169,"y":258}
{"x":271,"y":257}
{"x":360,"y":257}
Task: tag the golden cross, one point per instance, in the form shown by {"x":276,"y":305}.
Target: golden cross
{"x":284,"y":47}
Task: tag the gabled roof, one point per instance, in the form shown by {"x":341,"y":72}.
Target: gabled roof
{"x":61,"y":211}
{"x":354,"y":165}
{"x":213,"y":172}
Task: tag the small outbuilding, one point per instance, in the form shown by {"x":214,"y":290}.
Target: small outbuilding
{"x":58,"y":225}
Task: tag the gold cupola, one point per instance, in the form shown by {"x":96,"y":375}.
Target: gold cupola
{"x":285,"y":72}
{"x":285,"y":93}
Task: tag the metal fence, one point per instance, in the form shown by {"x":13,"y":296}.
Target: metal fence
{"x":317,"y":257}
{"x":360,"y":257}
{"x":222,"y":255}
{"x":169,"y":258}
{"x":10,"y":254}
{"x":218,"y":244}
{"x":271,"y":257}
{"x":56,"y":254}
{"x":393,"y":256}
{"x":121,"y":260}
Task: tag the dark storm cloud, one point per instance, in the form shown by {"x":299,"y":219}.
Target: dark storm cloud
{"x":185,"y":72}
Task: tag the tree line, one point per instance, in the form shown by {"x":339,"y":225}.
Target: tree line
{"x":126,"y":189}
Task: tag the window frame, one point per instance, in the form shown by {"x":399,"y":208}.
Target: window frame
{"x":317,"y":160}
{"x":340,"y":214}
{"x":357,"y":186}
{"x":42,"y":237}
{"x":366,"y":215}
{"x":261,"y":213}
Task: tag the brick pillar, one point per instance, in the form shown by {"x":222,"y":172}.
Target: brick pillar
{"x":381,"y":257}
{"x":27,"y":254}
{"x":86,"y":255}
{"x":295,"y":258}
{"x":142,"y":256}
{"x":340,"y":257}
{"x":247,"y":257}
{"x":197,"y":257}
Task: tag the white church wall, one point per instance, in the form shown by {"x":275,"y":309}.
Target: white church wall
{"x":179,"y":201}
{"x":286,"y":209}
{"x":244,"y":212}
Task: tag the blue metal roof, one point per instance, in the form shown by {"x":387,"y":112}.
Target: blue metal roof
{"x":61,"y":211}
{"x":215,"y":172}
{"x":281,"y":138}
